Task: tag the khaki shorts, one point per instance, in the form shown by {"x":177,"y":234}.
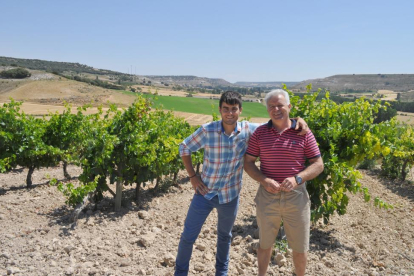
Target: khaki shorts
{"x":293,"y":207}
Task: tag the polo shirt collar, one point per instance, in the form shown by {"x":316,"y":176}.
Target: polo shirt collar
{"x":292,"y":126}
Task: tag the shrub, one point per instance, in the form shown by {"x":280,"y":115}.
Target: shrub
{"x":17,"y":73}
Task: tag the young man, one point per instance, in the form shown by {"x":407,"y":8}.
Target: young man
{"x":282,"y":176}
{"x":220,"y":182}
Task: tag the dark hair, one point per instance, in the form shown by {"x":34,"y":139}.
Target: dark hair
{"x":231,"y":97}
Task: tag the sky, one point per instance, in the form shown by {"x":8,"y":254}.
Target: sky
{"x":235,"y":40}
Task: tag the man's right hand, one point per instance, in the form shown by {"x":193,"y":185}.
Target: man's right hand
{"x":271,"y":185}
{"x":198,"y":185}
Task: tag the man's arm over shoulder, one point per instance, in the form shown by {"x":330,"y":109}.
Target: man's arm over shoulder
{"x":253,"y":126}
{"x":302,"y":125}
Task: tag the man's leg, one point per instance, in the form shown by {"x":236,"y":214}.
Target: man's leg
{"x":299,"y":260}
{"x":263,"y":259}
{"x":297,"y":226}
{"x":226,"y":216}
{"x":268,"y":214}
{"x":197,"y":214}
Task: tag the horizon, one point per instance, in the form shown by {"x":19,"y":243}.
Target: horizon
{"x":237,"y":41}
{"x":273,"y":81}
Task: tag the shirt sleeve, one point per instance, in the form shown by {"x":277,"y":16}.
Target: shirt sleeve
{"x":311,"y":147}
{"x":194,"y":142}
{"x":253,"y":146}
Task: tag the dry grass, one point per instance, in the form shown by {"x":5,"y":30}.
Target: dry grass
{"x":58,"y":91}
{"x":406,"y":117}
{"x":389,"y":95}
{"x":33,"y":90}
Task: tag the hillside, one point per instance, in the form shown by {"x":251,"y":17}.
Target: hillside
{"x":70,"y":68}
{"x":355,"y":83}
{"x":47,"y":88}
{"x":361,"y":83}
{"x":408,"y":97}
{"x":269,"y":84}
{"x":54,"y":66}
{"x":191,"y":81}
{"x":355,"y":86}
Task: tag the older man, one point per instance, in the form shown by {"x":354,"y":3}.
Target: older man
{"x":282,"y":176}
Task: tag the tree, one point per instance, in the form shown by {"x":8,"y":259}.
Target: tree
{"x":66,"y":131}
{"x":22,"y":141}
{"x":17,"y":73}
{"x":346,"y":135}
{"x":385,"y":114}
{"x":400,"y":138}
{"x":134,"y":146}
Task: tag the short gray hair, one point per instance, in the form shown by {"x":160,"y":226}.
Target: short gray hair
{"x":277,"y":92}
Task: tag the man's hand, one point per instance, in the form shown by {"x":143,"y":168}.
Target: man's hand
{"x":289,"y":184}
{"x":198,"y":185}
{"x":271,"y":185}
{"x":301,"y":124}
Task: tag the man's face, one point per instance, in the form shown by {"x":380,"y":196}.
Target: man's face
{"x":277,"y":108}
{"x":230,"y":113}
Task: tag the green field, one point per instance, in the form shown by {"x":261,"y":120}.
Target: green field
{"x":202,"y":106}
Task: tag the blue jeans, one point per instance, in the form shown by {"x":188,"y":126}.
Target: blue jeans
{"x":197,"y":214}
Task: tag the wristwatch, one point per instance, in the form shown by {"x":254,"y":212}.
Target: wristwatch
{"x":298,"y":179}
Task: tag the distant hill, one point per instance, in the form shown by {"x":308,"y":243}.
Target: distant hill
{"x":361,"y":83}
{"x":336,"y":84}
{"x":190,"y":81}
{"x":268,"y":84}
{"x":65,"y":67}
{"x":37,"y":64}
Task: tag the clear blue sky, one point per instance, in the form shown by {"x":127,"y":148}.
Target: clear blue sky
{"x":234,"y":40}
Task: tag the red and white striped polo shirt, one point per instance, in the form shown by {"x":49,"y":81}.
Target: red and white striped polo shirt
{"x":282,"y":155}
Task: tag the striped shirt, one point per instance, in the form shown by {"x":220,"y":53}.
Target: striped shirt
{"x":223,"y":157}
{"x":283,"y":154}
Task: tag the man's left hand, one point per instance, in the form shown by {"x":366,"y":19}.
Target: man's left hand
{"x":289,"y":184}
{"x":301,"y":124}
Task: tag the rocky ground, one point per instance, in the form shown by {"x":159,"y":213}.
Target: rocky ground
{"x":37,"y":238}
